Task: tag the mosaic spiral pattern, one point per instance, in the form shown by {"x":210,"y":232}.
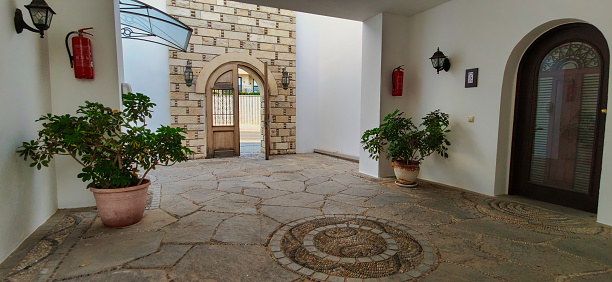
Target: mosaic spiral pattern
{"x":335,"y":247}
{"x":33,"y":262}
{"x":533,"y":217}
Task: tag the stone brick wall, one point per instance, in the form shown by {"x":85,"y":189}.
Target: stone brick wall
{"x":220,"y":27}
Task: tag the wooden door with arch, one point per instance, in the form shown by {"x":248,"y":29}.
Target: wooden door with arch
{"x":560,"y":118}
{"x":222,"y":114}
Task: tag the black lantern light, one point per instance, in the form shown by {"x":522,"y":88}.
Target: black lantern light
{"x":439,"y":61}
{"x":41,"y":15}
{"x":285,"y":79}
{"x":188,"y":74}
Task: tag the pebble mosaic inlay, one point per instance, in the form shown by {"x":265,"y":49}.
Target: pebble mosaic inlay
{"x":533,"y":217}
{"x":153,"y":197}
{"x":34,"y":261}
{"x":335,"y":247}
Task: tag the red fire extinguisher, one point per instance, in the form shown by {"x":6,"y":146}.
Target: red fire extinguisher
{"x":82,"y":61}
{"x":398,"y":80}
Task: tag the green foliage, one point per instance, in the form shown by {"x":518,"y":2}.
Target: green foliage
{"x":401,"y":140}
{"x":249,"y":93}
{"x":111,"y":158}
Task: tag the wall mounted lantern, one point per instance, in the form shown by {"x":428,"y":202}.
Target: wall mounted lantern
{"x":285,"y":79}
{"x":439,"y":61}
{"x":41,"y":15}
{"x":188,"y":74}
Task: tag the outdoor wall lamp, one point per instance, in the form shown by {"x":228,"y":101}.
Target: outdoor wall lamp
{"x":41,"y":15}
{"x":188,"y":74}
{"x":439,"y":61}
{"x":285,"y":79}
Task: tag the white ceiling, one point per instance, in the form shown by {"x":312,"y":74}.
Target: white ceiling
{"x":358,"y":10}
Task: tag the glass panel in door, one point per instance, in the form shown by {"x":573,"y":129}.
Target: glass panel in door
{"x":565,"y":118}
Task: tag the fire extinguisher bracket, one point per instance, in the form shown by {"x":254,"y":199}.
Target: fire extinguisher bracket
{"x":81,"y":58}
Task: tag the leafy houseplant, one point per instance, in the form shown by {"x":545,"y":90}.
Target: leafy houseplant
{"x":407,"y":144}
{"x":112,"y":146}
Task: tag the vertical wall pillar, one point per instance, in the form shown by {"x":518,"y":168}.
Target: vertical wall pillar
{"x":370,"y":86}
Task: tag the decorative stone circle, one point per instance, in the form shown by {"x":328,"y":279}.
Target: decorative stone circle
{"x":334,"y":247}
{"x":534,"y":217}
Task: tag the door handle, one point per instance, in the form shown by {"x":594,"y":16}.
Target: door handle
{"x":604,"y":111}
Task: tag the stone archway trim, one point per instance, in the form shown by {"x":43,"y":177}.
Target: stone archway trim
{"x":239,"y":58}
{"x":250,"y":64}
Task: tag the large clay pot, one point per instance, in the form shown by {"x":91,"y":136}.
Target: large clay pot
{"x":122,"y":206}
{"x":406,"y":173}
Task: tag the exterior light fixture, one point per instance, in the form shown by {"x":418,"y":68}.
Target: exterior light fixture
{"x":285,"y":79}
{"x":439,"y":61}
{"x":188,"y":74}
{"x":41,"y":15}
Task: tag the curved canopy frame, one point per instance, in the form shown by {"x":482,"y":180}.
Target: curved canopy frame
{"x":140,"y":21}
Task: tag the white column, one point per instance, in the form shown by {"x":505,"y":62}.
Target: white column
{"x":370,"y":86}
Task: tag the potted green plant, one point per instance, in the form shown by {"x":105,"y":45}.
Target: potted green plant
{"x":407,"y":144}
{"x":115,"y":150}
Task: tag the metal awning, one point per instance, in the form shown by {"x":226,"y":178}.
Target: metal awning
{"x":143,"y":22}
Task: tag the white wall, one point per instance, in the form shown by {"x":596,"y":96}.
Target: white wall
{"x":146,"y":70}
{"x":328,"y":84}
{"x":307,"y":68}
{"x":491,"y":36}
{"x":371,"y":73}
{"x":394,"y":54}
{"x":27,"y":196}
{"x":68,"y":92}
{"x":35,"y":79}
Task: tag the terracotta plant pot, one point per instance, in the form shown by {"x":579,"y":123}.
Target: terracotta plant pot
{"x":406,"y":173}
{"x":122,"y":206}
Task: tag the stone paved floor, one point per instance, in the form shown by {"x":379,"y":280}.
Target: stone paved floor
{"x":312,"y":217}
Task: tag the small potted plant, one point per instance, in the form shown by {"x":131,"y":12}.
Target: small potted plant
{"x":113,"y":147}
{"x":406,"y":144}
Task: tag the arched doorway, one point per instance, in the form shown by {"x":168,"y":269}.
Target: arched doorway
{"x":559,"y":117}
{"x":223,"y":118}
{"x":210,"y":74}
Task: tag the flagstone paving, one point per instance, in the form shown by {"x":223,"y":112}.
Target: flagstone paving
{"x":309,"y":217}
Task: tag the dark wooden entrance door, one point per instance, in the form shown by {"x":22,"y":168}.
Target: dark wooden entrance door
{"x":559,"y":119}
